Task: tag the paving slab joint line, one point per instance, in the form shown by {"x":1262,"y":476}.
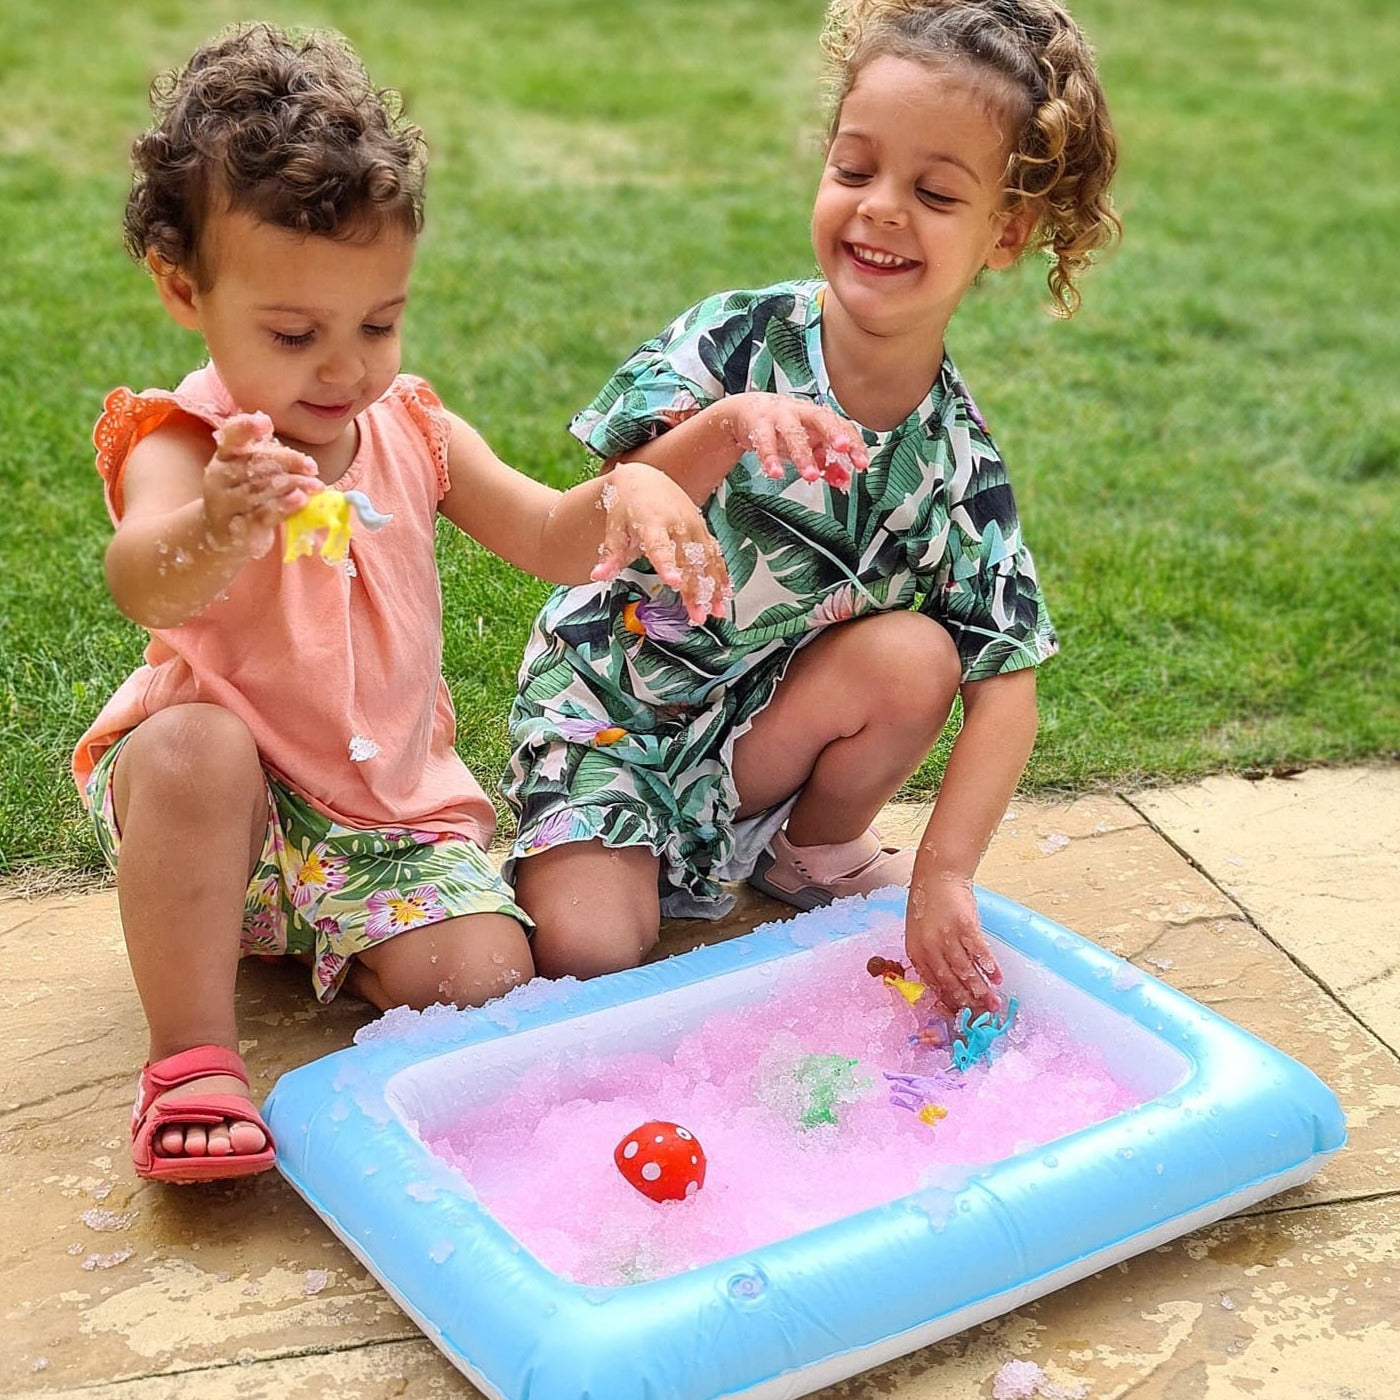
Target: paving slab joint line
{"x":1259,"y":928}
{"x":232,"y":1363}
{"x":1285,"y":1207}
{"x":104,"y":1081}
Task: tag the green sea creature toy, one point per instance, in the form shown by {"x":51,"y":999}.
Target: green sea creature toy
{"x":827,"y":1081}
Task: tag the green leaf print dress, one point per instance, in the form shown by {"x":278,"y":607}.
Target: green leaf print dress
{"x":625,"y":719}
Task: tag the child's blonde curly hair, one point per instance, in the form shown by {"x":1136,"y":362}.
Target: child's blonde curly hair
{"x":1064,"y":152}
{"x":286,"y":127}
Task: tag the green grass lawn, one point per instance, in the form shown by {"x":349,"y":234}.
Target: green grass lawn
{"x":1207,"y":458}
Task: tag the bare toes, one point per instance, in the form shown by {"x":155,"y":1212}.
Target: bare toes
{"x":233,"y":1137}
{"x":246,"y":1138}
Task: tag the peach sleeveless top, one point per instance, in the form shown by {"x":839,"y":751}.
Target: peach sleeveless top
{"x":335,"y":668}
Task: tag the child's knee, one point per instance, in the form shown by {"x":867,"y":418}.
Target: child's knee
{"x":466,"y":961}
{"x":914,"y":667}
{"x":590,"y":947}
{"x":595,"y":910}
{"x":190,"y":753}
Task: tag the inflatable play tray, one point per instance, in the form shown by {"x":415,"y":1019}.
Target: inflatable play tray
{"x":1223,"y":1121}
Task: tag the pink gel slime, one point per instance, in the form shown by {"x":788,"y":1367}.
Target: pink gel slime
{"x":540,"y":1158}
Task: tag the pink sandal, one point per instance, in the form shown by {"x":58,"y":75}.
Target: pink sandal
{"x":150,"y":1118}
{"x":811,"y":876}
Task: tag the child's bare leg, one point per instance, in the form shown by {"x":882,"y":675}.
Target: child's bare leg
{"x":463,"y":962}
{"x":857,"y":712}
{"x":191,"y":806}
{"x":596,"y":910}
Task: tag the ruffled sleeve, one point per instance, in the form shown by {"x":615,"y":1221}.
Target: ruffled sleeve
{"x":726,"y":344}
{"x":126,"y":419}
{"x":425,"y":409}
{"x":982,"y":584}
{"x":667,"y":379}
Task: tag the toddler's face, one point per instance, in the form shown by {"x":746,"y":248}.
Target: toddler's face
{"x":910,"y":206}
{"x":304,"y":329}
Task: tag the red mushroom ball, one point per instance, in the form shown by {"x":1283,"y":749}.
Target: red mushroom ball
{"x":662,"y":1160}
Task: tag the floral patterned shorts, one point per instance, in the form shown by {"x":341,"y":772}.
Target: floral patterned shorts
{"x":332,"y":891}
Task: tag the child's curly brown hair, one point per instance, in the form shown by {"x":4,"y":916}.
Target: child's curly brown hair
{"x":1064,"y":154}
{"x":287,"y":128}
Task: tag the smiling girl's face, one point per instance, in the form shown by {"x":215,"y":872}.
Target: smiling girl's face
{"x":910,"y":207}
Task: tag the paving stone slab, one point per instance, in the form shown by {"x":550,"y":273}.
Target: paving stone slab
{"x":1297,"y":1305}
{"x":407,"y":1370}
{"x":1315,"y":860}
{"x":1292,"y":1305}
{"x":110,"y":1286}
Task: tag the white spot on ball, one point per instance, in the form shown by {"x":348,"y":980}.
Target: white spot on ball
{"x":651,"y":1172}
{"x":630,"y":1150}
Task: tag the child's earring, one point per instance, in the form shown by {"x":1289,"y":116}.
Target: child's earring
{"x":176,"y":290}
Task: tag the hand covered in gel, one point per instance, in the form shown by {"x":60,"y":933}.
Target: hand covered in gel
{"x":779,"y":429}
{"x":649,"y":516}
{"x":944,"y":941}
{"x":252,"y":484}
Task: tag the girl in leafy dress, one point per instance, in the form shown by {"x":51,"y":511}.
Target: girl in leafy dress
{"x":872,"y":538}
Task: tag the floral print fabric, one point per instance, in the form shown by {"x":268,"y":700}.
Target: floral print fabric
{"x":625,"y":718}
{"x":332,"y":891}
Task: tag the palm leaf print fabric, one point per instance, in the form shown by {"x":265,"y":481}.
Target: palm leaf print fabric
{"x":625,"y":717}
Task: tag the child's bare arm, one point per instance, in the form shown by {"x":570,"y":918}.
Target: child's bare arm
{"x":591,"y":531}
{"x":942,"y":934}
{"x":700,"y":452}
{"x":195,"y":510}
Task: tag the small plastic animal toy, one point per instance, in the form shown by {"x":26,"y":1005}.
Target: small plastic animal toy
{"x":919,"y":1092}
{"x":326,"y":522}
{"x":973,"y":1040}
{"x":827,"y":1081}
{"x":891,"y":973}
{"x":663,"y":1161}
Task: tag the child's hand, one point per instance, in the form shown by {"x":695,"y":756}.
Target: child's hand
{"x":252,"y":483}
{"x":779,"y":429}
{"x":943,"y":939}
{"x":649,"y":516}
